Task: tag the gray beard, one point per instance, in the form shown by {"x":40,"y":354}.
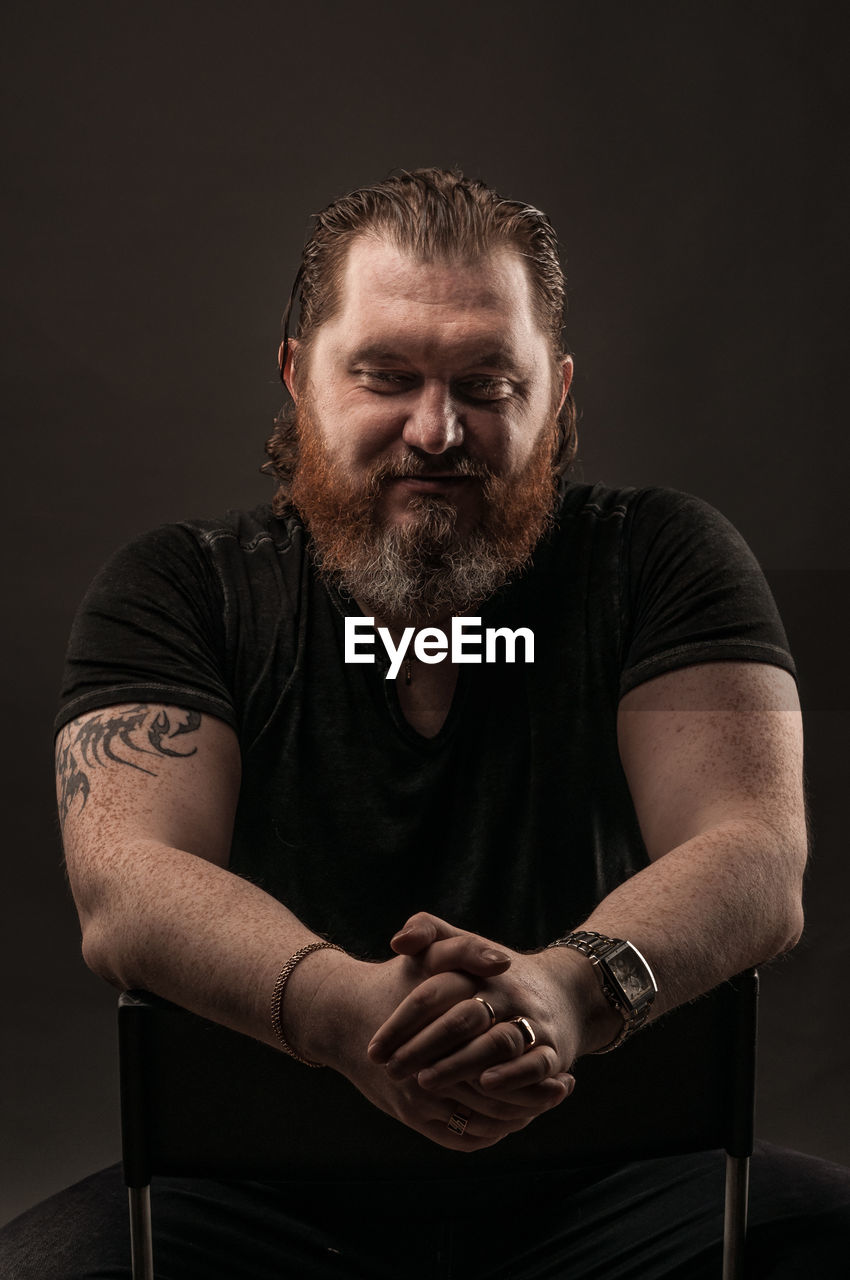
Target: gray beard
{"x":423,"y":570}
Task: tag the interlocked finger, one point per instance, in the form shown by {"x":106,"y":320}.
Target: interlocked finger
{"x":506,"y":1078}
{"x":527,"y":1031}
{"x":520,"y":1107}
{"x":463,"y":1025}
{"x":463,"y":1122}
{"x":486,"y":1005}
{"x":458,"y":1121}
{"x":502,"y":1043}
{"x":421,"y":1009}
{"x":469,"y":953}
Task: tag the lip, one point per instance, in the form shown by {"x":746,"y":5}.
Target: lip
{"x":425,"y":484}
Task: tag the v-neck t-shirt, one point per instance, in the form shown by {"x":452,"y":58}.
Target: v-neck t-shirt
{"x":516,"y":818}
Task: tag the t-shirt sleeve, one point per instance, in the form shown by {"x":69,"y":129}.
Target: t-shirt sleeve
{"x":693,"y":592}
{"x":150,"y":629}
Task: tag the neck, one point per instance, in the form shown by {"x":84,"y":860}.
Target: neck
{"x":398,"y":625}
{"x":402,"y":633}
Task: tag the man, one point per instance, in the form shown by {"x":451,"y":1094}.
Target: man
{"x":240,"y":785}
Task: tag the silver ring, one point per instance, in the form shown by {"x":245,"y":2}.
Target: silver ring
{"x":489,"y":1009}
{"x":457,"y":1123}
{"x":527,"y":1032}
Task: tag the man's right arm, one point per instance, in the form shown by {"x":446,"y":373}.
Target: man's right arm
{"x":147,"y":797}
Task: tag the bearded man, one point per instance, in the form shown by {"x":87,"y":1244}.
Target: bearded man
{"x":249,"y":819}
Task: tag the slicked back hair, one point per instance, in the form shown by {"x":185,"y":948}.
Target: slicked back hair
{"x":433,"y":214}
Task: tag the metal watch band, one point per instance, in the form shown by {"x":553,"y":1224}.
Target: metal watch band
{"x":590,"y":944}
{"x":596,"y":946}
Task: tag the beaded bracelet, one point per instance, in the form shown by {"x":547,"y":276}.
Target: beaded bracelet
{"x":277,"y":996}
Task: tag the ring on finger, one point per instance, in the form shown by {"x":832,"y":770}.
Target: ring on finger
{"x":527,"y":1033}
{"x":489,"y":1008}
{"x":457,"y":1123}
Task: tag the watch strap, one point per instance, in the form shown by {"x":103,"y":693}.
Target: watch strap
{"x":596,"y":946}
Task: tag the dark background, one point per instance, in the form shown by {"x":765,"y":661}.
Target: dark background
{"x":162,"y":164}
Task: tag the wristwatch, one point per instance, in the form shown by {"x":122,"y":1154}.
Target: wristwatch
{"x":626,"y":978}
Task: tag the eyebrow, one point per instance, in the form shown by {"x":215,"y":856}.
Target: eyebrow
{"x":498,"y":358}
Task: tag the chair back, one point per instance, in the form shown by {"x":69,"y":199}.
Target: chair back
{"x":198,"y":1099}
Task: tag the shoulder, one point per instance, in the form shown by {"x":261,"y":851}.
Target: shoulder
{"x":240,"y":532}
{"x":668,"y":527}
{"x":613,"y":517}
{"x":640,"y":520}
{"x":648,"y":503}
{"x":247,"y":530}
{"x":594,"y":502}
{"x":207,"y":547}
{"x":177,"y":613}
{"x":228,"y":573}
{"x":657,"y":506}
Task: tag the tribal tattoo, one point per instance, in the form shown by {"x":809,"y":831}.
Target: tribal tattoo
{"x":115,"y":736}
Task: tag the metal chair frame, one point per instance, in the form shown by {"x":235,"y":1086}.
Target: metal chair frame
{"x":685,"y":1083}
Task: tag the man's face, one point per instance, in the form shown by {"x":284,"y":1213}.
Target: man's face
{"x":427,"y":409}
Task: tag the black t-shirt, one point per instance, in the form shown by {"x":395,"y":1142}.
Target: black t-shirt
{"x":516,"y":818}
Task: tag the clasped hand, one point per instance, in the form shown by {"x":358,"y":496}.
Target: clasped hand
{"x":442,"y":1036}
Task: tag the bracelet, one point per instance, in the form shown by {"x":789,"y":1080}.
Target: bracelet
{"x":277,"y":996}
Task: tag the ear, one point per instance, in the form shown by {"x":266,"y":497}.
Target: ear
{"x":287,"y":369}
{"x":567,"y":370}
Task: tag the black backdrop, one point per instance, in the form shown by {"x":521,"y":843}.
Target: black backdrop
{"x":162,"y":163}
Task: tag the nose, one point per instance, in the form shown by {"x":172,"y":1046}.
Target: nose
{"x":433,"y":424}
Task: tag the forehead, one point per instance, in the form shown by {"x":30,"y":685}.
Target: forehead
{"x":452,"y":303}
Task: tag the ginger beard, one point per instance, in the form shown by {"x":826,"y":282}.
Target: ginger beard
{"x":424,"y":568}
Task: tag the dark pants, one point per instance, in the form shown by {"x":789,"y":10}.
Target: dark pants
{"x":644,"y":1221}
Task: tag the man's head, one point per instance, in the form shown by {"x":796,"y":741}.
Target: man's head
{"x":431,"y":412}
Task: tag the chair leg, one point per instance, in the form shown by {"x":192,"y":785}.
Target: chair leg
{"x":141,"y":1237}
{"x":735,"y":1216}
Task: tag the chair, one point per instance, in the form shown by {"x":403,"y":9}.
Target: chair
{"x":685,"y":1083}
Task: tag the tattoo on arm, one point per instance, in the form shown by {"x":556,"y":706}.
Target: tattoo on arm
{"x":116,"y":736}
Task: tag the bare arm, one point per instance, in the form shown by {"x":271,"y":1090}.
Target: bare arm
{"x":713,"y":758}
{"x":147,"y":797}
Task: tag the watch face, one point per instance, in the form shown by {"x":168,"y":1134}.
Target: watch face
{"x":632,"y":973}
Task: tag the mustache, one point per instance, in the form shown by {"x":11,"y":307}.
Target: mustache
{"x":412,"y":466}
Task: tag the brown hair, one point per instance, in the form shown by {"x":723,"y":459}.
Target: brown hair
{"x":433,"y":213}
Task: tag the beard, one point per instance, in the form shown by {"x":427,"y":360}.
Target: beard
{"x":424,"y":568}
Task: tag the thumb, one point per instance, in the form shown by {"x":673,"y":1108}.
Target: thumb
{"x":420,"y":931}
{"x":448,"y":948}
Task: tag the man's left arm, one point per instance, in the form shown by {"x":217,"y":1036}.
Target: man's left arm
{"x":713,"y":758}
